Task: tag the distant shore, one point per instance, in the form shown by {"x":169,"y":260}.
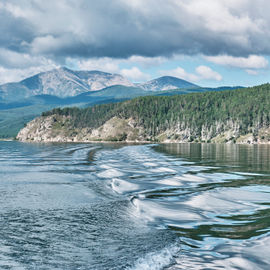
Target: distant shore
{"x":128,"y":142}
{"x":135,"y":142}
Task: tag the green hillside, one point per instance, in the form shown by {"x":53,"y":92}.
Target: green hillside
{"x":12,"y":120}
{"x":14,"y":115}
{"x":248,"y":110}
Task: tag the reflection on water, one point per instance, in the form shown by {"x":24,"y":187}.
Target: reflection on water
{"x":169,"y":206}
{"x":250,"y":157}
{"x":236,"y":203}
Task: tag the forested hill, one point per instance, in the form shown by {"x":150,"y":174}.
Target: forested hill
{"x":239,"y":115}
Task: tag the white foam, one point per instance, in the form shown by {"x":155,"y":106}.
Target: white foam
{"x":163,"y":169}
{"x":251,"y":174}
{"x":230,"y":200}
{"x":106,"y":167}
{"x":219,"y":177}
{"x":121,"y":186}
{"x":150,"y":164}
{"x":209,"y":202}
{"x":197,"y":263}
{"x":191,"y":178}
{"x":174,"y":181}
{"x":229,"y":254}
{"x":110,"y":173}
{"x":151,"y":210}
{"x":156,"y":260}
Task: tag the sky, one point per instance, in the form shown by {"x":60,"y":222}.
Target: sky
{"x":207,"y":42}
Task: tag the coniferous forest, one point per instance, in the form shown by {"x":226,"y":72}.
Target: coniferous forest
{"x":247,"y":110}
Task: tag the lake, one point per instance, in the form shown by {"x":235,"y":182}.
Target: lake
{"x":119,"y":206}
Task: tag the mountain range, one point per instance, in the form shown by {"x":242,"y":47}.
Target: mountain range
{"x":64,"y":82}
{"x":22,"y":101}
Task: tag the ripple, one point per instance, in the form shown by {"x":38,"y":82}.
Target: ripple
{"x":85,"y":206}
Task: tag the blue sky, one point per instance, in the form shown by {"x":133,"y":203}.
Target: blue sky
{"x":208,"y":42}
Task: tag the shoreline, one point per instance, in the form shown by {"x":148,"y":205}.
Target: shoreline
{"x":137,"y":142}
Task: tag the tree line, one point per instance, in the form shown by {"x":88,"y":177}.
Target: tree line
{"x":250,"y":107}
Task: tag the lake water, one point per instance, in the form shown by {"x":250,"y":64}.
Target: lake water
{"x":113,"y":206}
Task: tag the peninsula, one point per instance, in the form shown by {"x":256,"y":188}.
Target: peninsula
{"x":234,"y":116}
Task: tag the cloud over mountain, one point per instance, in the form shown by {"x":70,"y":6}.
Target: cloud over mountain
{"x":124,"y":28}
{"x":44,"y":33}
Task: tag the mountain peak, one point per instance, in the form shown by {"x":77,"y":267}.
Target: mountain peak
{"x":61,"y":82}
{"x":166,"y":83}
{"x":64,"y":82}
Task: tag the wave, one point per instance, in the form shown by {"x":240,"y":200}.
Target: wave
{"x":157,"y":260}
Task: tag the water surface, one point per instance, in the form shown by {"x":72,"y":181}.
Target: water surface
{"x":94,"y":206}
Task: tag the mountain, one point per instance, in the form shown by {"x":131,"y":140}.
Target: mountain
{"x":64,"y":82}
{"x":13,"y":115}
{"x":61,"y":82}
{"x":23,"y":101}
{"x":218,"y":117}
{"x":109,"y":94}
{"x":166,"y":83}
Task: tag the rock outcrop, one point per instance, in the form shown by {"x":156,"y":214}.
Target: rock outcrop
{"x":59,"y":128}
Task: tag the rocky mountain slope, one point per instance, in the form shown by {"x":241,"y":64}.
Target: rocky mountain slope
{"x":166,"y":83}
{"x":55,"y":128}
{"x":64,"y":82}
{"x":61,"y":82}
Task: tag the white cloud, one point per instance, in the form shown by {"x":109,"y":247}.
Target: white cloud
{"x":135,"y":74}
{"x":104,"y":64}
{"x":112,"y":65}
{"x":250,"y":62}
{"x":12,"y":59}
{"x":147,"y":62}
{"x":207,"y":73}
{"x":201,"y":73}
{"x":17,"y":74}
{"x":39,"y":30}
{"x":195,"y":26}
{"x":222,"y":16}
{"x":252,"y":71}
{"x":15,"y":10}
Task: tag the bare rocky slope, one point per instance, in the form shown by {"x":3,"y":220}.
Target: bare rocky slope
{"x":56,"y":128}
{"x":64,"y":82}
{"x":61,"y":82}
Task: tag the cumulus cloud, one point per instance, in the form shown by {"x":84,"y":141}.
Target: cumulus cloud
{"x":11,"y":59}
{"x":201,"y":73}
{"x":147,"y":28}
{"x":135,"y":74}
{"x":147,"y":62}
{"x":145,"y":33}
{"x":14,"y":75}
{"x":207,"y":73}
{"x":111,"y":65}
{"x":105,"y":64}
{"x":250,"y":62}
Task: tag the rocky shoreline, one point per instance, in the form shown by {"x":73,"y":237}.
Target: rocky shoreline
{"x":55,"y":128}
